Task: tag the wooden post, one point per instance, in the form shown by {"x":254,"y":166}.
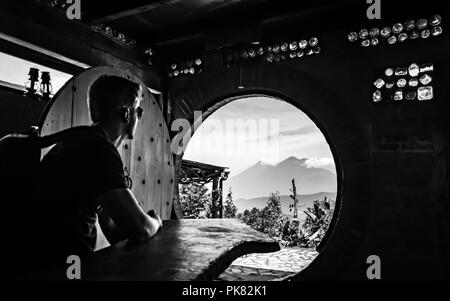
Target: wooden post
{"x":221,"y":197}
{"x":177,"y":213}
{"x":214,"y":197}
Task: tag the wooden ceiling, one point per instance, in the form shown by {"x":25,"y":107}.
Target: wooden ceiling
{"x":165,"y":21}
{"x":160,"y":21}
{"x":191,"y":27}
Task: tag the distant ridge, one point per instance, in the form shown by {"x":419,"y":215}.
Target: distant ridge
{"x":262,"y":179}
{"x":304,"y":202}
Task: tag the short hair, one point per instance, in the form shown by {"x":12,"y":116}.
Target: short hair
{"x":108,"y":93}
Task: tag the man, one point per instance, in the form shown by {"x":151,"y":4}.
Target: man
{"x":83,"y":176}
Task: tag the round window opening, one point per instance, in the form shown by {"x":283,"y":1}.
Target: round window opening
{"x":263,"y":161}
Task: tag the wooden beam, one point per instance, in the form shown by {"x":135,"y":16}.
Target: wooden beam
{"x":36,"y":54}
{"x":107,"y":11}
{"x":46,"y":32}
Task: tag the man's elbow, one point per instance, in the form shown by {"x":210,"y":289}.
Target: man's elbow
{"x":143,"y":235}
{"x":145,"y":232}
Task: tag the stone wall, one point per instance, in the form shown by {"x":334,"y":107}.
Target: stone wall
{"x":391,"y":157}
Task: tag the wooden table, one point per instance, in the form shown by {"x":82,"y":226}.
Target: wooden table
{"x":182,"y":250}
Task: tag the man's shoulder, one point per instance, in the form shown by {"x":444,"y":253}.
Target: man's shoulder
{"x":85,"y":141}
{"x":87,"y":133}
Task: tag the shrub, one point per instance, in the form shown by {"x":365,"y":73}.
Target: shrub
{"x":291,"y":231}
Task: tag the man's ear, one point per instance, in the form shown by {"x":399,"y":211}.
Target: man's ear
{"x":126,"y":115}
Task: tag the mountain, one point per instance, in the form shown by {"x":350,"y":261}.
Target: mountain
{"x":304,"y":202}
{"x":261,"y":179}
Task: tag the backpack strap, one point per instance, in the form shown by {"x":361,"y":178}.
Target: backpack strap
{"x":49,"y":140}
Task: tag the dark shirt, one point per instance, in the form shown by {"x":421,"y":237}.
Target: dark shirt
{"x":74,"y":173}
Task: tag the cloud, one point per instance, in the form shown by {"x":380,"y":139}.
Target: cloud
{"x":300,"y":131}
{"x":295,"y":134}
{"x":327,"y":163}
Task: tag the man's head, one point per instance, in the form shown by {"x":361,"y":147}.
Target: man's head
{"x":114,"y":102}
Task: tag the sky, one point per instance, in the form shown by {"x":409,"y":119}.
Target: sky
{"x":270,"y":131}
{"x":15,"y":70}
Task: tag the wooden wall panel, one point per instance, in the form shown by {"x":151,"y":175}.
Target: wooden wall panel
{"x":58,"y":115}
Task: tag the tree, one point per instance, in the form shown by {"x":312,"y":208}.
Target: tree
{"x":230,"y":209}
{"x":194,"y":200}
{"x":251,"y":217}
{"x":269,"y":220}
{"x":274,"y":205}
{"x":271,"y":216}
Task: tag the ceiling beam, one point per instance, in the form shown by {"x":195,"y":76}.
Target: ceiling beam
{"x":41,"y":56}
{"x":47,"y":33}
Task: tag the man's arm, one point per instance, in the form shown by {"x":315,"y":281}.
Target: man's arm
{"x":109,"y":228}
{"x":124,"y":211}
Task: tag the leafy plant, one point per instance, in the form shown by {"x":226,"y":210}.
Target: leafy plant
{"x":312,"y":230}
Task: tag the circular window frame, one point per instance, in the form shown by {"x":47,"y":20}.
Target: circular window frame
{"x":207,"y":92}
